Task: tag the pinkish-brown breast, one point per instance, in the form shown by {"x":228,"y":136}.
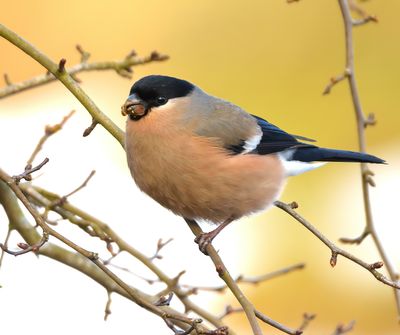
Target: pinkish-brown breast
{"x":194,"y":176}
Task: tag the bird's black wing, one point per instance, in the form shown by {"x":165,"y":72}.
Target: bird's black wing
{"x":275,"y":139}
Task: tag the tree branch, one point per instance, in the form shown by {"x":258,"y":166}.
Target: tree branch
{"x":289,"y":208}
{"x":66,"y":79}
{"x":9,"y":190}
{"x":362,"y":123}
{"x":248,"y":308}
{"x":100,"y":229}
{"x":122,"y":67}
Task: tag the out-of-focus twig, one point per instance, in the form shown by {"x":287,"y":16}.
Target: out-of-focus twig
{"x":133,"y":293}
{"x":86,"y":265}
{"x":242,"y":279}
{"x":160,"y":245}
{"x":95,"y":227}
{"x":343,"y":329}
{"x":29,"y":170}
{"x":307,"y":318}
{"x":48,"y":132}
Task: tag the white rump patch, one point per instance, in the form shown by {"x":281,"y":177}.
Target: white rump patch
{"x":293,"y":168}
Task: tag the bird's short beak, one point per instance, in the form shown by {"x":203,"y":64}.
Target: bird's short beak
{"x":133,"y":106}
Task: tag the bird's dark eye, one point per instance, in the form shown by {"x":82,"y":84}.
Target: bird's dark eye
{"x":161,"y":100}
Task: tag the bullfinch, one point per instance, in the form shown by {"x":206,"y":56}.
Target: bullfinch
{"x":205,"y":158}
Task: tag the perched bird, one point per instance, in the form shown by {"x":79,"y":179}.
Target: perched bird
{"x":205,"y":158}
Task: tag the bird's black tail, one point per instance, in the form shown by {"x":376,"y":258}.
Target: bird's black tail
{"x":312,"y":154}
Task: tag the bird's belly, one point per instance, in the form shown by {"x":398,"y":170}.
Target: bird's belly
{"x":195,"y":178}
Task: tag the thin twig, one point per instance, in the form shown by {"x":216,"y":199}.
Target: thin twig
{"x":25,"y":248}
{"x":160,"y":244}
{"x":28,"y":171}
{"x":343,"y":329}
{"x":137,"y":298}
{"x":333,"y":81}
{"x":5,"y":244}
{"x":84,"y":264}
{"x":102,"y":230}
{"x":7,"y":79}
{"x":230,"y":310}
{"x":164,"y":300}
{"x":121,"y":67}
{"x":362,"y":122}
{"x":48,"y":131}
{"x":84,"y":184}
{"x":107,"y":310}
{"x":241,"y":279}
{"x":289,"y":208}
{"x":307,"y":318}
{"x":89,"y":129}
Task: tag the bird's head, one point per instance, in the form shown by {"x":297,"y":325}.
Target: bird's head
{"x":151,"y":92}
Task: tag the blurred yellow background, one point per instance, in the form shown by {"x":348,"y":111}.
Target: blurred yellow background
{"x":274,"y":60}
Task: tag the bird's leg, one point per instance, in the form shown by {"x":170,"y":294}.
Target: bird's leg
{"x":204,"y":239}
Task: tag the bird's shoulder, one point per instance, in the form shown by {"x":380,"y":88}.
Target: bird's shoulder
{"x":229,"y":124}
{"x":240,"y":132}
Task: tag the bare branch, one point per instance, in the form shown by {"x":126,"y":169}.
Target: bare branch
{"x":89,"y":129}
{"x":80,"y":186}
{"x":5,"y":244}
{"x":160,"y":244}
{"x":164,"y":300}
{"x":25,"y":248}
{"x":103,"y":231}
{"x":7,"y":79}
{"x":84,"y":54}
{"x":87,"y":264}
{"x":276,"y":325}
{"x":241,"y":279}
{"x":362,"y":122}
{"x":307,"y":318}
{"x":343,"y":329}
{"x":28,"y":171}
{"x":369,"y":18}
{"x":248,"y":308}
{"x":230,"y":310}
{"x":48,"y":131}
{"x":122,"y":67}
{"x":336,"y":250}
{"x":334,"y":81}
{"x":107,"y":310}
{"x":61,"y":65}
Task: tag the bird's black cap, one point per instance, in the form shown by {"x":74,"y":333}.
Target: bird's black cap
{"x":152,"y":87}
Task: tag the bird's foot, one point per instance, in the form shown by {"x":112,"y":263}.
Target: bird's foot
{"x":203,"y":240}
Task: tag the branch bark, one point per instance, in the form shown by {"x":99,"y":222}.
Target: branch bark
{"x":121,"y":67}
{"x":362,"y":123}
